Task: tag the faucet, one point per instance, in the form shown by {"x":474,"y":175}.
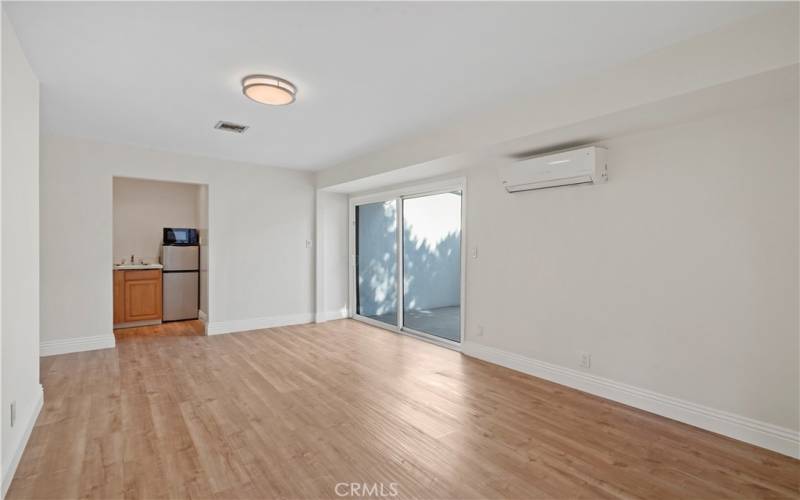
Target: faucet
{"x":131,"y":258}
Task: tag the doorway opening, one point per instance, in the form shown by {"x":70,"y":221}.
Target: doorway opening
{"x":160,"y":258}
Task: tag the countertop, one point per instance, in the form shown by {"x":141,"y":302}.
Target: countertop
{"x":134,"y":267}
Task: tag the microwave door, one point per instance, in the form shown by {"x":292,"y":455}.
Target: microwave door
{"x":180,"y":236}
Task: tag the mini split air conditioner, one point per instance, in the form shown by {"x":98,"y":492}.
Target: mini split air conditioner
{"x":577,"y":166}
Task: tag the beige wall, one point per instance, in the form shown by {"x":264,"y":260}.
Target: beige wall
{"x":142,"y":208}
{"x":332,"y":251}
{"x":260,"y":271}
{"x":19,"y":313}
{"x":679,"y":275}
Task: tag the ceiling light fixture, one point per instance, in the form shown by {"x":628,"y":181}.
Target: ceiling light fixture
{"x":269,"y":89}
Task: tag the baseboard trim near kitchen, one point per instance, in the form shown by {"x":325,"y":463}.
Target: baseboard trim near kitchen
{"x":755,"y":432}
{"x":80,"y":344}
{"x":11,"y":469}
{"x":243,"y":325}
{"x":136,"y":324}
{"x":324,"y":316}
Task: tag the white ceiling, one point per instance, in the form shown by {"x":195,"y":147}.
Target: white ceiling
{"x":160,"y":74}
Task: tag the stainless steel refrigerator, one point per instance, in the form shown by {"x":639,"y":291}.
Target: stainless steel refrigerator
{"x":181,"y":276}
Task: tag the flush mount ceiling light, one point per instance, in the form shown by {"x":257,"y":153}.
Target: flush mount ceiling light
{"x":269,"y":89}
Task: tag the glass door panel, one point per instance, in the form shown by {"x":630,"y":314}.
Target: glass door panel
{"x":376,"y":261}
{"x":432,"y":264}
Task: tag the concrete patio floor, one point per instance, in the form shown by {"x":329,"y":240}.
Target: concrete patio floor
{"x":442,"y":322}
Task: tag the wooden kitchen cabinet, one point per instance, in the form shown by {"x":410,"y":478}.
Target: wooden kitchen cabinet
{"x":119,"y":297}
{"x":137,"y":296}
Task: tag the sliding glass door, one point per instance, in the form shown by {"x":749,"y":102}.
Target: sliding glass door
{"x":432,"y":264}
{"x":376,"y":261}
{"x":407,"y":271}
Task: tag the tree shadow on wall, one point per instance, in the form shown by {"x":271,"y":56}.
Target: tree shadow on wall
{"x":433,"y":272}
{"x":377,"y":259}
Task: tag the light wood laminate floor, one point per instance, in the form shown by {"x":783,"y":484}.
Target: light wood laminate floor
{"x":187,"y":328}
{"x":290,"y":412}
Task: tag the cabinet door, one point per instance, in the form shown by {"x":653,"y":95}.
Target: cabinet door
{"x":142,"y":300}
{"x":119,"y":297}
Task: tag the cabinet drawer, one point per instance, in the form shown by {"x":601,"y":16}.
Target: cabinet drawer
{"x":147,"y":274}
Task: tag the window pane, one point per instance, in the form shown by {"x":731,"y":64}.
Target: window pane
{"x":376,"y":261}
{"x":432,"y":265}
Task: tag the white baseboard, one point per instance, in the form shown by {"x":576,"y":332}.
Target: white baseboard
{"x":202,"y":316}
{"x":769,"y":436}
{"x":324,"y":316}
{"x":243,"y":325}
{"x":80,"y":344}
{"x":10,"y":469}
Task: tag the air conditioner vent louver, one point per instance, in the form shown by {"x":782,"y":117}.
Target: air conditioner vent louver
{"x":575,"y":166}
{"x":231,"y":127}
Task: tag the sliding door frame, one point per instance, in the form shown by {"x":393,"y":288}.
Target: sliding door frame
{"x":398,"y":195}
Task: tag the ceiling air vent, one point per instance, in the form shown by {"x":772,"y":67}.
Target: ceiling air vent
{"x":231,"y":127}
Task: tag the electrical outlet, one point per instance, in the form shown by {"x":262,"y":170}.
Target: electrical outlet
{"x":585,"y":360}
{"x":480,"y":330}
{"x":308,"y":243}
{"x":13,"y":413}
{"x":474,"y":252}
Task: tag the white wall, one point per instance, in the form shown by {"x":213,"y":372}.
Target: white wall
{"x":202,"y":229}
{"x":332,"y":255}
{"x":20,"y":250}
{"x":143,"y":208}
{"x":259,"y":270}
{"x":679,"y":275}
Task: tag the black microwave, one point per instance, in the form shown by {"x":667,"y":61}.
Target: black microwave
{"x":180,"y":236}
